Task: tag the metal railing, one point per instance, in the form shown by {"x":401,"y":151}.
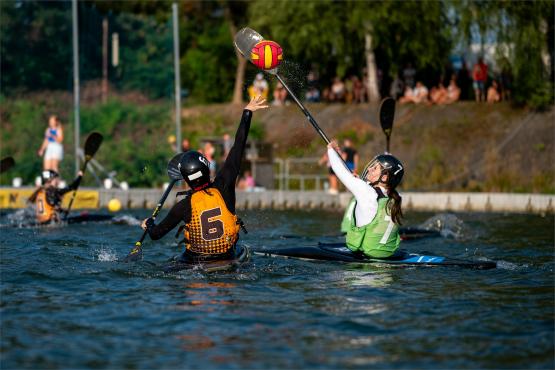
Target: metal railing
{"x":300,"y":174}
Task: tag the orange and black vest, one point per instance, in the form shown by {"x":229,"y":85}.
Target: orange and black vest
{"x":43,"y":210}
{"x":213,"y":229}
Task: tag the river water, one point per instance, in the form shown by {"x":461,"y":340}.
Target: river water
{"x":66,"y":301}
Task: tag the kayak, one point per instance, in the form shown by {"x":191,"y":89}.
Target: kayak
{"x":405,"y":233}
{"x":340,"y":253}
{"x":416,"y":233}
{"x":242,"y":255}
{"x":87,"y":217}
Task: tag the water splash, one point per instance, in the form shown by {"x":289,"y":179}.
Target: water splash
{"x":449,"y":225}
{"x":126,"y":220}
{"x":106,"y":255}
{"x":21,"y":218}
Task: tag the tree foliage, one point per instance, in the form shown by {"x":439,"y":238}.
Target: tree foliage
{"x":327,"y":35}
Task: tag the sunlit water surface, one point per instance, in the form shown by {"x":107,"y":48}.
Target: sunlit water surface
{"x":66,"y":301}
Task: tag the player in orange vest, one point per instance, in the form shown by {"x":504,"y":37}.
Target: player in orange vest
{"x":208,"y":210}
{"x":48,"y":197}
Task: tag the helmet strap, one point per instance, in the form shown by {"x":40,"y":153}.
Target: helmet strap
{"x":204,"y":186}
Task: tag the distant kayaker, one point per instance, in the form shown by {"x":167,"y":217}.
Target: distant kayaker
{"x":48,"y":197}
{"x":376,"y":215}
{"x":208,"y":211}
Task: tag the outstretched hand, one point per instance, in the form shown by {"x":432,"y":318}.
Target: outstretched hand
{"x":256,"y":103}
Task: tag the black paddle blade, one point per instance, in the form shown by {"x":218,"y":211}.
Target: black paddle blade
{"x":387,"y":114}
{"x":136,"y":254}
{"x":173,"y":168}
{"x":6,"y":164}
{"x":92,"y":144}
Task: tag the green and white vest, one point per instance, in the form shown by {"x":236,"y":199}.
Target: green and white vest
{"x":379,"y":239}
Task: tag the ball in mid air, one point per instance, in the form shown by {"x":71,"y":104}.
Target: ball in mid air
{"x":266,"y":54}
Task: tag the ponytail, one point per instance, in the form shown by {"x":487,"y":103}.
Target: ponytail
{"x":394,"y":206}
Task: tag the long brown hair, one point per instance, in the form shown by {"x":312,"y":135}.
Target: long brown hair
{"x":394,"y":206}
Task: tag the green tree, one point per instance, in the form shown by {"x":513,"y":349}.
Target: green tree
{"x":35,"y":44}
{"x":523,"y":31}
{"x":330,"y":35}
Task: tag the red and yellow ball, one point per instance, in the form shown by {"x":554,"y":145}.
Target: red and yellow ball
{"x":266,"y":54}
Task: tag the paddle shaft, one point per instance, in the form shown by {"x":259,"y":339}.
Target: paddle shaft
{"x":83,"y":168}
{"x":307,"y":114}
{"x":305,"y":111}
{"x":157,"y":210}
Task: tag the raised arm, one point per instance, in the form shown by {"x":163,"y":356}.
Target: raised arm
{"x":232,"y":165}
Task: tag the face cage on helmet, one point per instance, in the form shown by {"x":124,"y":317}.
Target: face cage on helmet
{"x":48,"y":176}
{"x":383,"y":171}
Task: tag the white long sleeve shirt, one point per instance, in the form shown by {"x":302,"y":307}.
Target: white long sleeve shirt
{"x":365,"y":195}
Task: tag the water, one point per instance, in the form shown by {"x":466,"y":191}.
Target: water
{"x":66,"y":302}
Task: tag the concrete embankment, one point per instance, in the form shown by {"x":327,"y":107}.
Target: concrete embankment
{"x":417,"y":201}
{"x":274,"y":199}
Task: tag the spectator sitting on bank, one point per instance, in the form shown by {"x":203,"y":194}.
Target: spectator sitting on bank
{"x":453,"y":91}
{"x":348,"y":90}
{"x":493,"y":93}
{"x":408,"y":96}
{"x":259,"y":87}
{"x":438,"y":94}
{"x":420,"y":93}
{"x":338,"y":91}
{"x":358,"y":90}
{"x":280,"y":94}
{"x":312,"y":95}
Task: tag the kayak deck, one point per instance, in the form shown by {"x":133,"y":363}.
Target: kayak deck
{"x":242,"y":254}
{"x":339,"y":252}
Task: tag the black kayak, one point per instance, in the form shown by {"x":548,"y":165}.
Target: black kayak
{"x":416,"y":233}
{"x":408,"y":233}
{"x":339,"y":252}
{"x":242,"y":254}
{"x":87,"y":217}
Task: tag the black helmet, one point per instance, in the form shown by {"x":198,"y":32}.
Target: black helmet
{"x":195,"y":170}
{"x":391,"y":166}
{"x":48,"y":175}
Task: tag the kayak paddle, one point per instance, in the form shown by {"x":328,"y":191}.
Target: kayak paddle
{"x":387,"y":113}
{"x":6,"y":164}
{"x":91,"y":146}
{"x":175,"y":175}
{"x":244,"y":41}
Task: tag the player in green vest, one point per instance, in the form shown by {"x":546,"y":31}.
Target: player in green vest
{"x":372,"y":224}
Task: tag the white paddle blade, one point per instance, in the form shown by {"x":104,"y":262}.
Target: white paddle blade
{"x":245,"y":40}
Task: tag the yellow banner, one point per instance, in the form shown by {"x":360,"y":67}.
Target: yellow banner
{"x":17,"y":198}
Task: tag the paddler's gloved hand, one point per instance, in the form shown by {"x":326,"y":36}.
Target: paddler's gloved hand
{"x":147,"y":223}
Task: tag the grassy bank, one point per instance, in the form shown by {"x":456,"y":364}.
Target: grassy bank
{"x":460,"y":147}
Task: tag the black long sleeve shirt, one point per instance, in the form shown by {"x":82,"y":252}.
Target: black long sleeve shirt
{"x":54,"y":195}
{"x":225,"y":182}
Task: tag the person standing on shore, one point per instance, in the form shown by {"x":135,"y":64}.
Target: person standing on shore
{"x":51,"y":147}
